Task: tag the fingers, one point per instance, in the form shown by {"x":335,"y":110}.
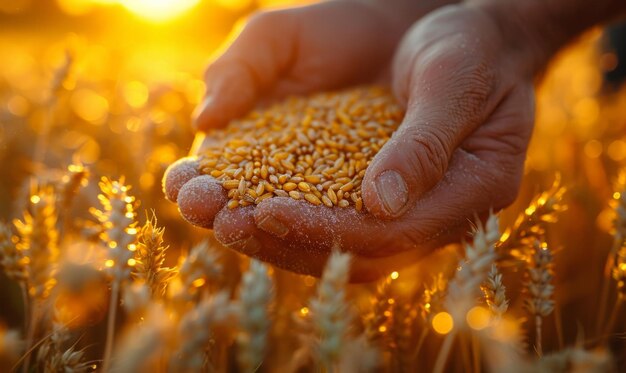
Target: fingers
{"x":238,"y":230}
{"x":200,"y":199}
{"x":231,"y":93}
{"x":177,"y":174}
{"x":323,"y":228}
{"x":251,"y":64}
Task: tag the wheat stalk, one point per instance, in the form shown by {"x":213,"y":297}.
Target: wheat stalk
{"x":38,"y":241}
{"x":433,"y":297}
{"x":117,"y":218}
{"x":539,"y":303}
{"x":150,"y":256}
{"x":359,"y":356}
{"x":329,"y":309}
{"x":404,"y":316}
{"x":474,"y":269}
{"x":136,"y":297}
{"x":41,"y":143}
{"x":72,"y":181}
{"x":144,"y":341}
{"x":618,"y":274}
{"x":255,"y":297}
{"x":463,"y":288}
{"x":377,"y":321}
{"x":11,"y":259}
{"x":11,"y":345}
{"x":530,"y":225}
{"x":52,"y":356}
{"x":195,"y":331}
{"x":197,"y":270}
{"x":574,"y":360}
{"x":615,"y":265}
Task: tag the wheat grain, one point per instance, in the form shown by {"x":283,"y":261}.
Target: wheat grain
{"x":305,"y":144}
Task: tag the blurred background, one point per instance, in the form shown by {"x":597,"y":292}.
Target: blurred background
{"x":111,"y":84}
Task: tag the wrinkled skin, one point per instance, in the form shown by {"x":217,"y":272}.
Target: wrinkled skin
{"x":460,"y":149}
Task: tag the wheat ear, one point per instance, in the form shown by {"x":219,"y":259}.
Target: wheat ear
{"x":539,"y":288}
{"x":329,"y":310}
{"x":255,"y":298}
{"x":117,"y":218}
{"x":495,"y":292}
{"x":150,"y":256}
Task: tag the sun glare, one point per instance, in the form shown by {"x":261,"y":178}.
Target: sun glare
{"x":152,"y":10}
{"x":159,"y":10}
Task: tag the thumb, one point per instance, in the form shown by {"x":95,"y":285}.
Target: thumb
{"x":249,"y":65}
{"x":437,"y":120}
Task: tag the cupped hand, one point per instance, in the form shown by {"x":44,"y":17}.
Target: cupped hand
{"x":458,"y":153}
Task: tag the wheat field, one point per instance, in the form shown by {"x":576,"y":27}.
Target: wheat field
{"x":100,"y":273}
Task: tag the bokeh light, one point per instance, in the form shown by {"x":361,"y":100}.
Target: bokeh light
{"x":478,"y":318}
{"x":443,"y":323}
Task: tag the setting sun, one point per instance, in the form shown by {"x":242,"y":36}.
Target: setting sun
{"x":159,"y":10}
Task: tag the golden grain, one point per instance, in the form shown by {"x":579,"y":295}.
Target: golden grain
{"x":230,"y":184}
{"x":290,"y":186}
{"x":332,"y":196}
{"x":304,"y":187}
{"x":312,"y":198}
{"x":318,"y":146}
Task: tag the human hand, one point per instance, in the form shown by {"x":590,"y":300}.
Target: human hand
{"x":459,"y":152}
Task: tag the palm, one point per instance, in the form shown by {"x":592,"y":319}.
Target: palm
{"x":432,"y":74}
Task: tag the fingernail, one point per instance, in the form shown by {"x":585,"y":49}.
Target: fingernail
{"x":248,"y":246}
{"x":392,"y":191}
{"x":273,"y":226}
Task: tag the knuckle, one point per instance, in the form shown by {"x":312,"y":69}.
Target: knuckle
{"x":265,"y":21}
{"x":430,"y":151}
{"x":466,"y":83}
